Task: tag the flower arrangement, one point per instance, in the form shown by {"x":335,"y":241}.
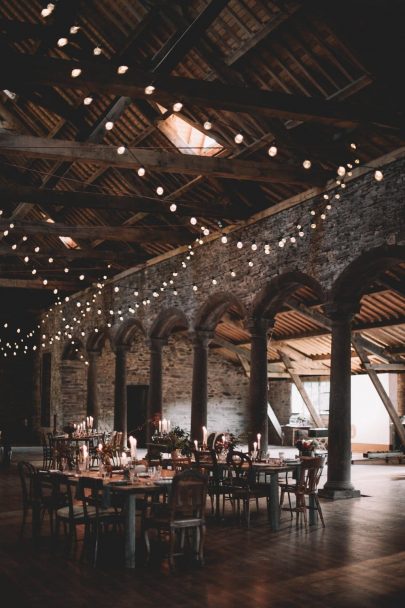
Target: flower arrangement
{"x":176,"y":439}
{"x":307,"y":444}
{"x":225,"y":443}
{"x":106,"y":452}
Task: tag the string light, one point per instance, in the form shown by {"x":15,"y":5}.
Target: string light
{"x":159,"y":190}
{"x":150,"y":89}
{"x":239,"y":244}
{"x":177,"y":106}
{"x":87,"y":101}
{"x":121,"y":150}
{"x":307,"y":164}
{"x":341,"y":171}
{"x":378,"y":175}
{"x":193,"y":221}
{"x":74,"y":29}
{"x":141,"y":171}
{"x":254,"y":246}
{"x":109,"y":125}
{"x":75,"y":72}
{"x":62,"y":42}
{"x":224,"y":239}
{"x":122,"y":69}
{"x":238,"y":138}
{"x":97,"y":50}
{"x":272,"y":151}
{"x":208,"y":125}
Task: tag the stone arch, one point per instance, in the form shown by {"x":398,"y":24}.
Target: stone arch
{"x":357,"y":276}
{"x":269,"y":300}
{"x":214,"y":307}
{"x":168,"y":321}
{"x":126,"y":331}
{"x":72,"y":350}
{"x":97,"y":339}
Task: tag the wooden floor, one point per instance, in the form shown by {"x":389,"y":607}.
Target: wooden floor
{"x":358,"y":560}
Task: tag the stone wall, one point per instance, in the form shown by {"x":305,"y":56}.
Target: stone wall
{"x":368,"y":215}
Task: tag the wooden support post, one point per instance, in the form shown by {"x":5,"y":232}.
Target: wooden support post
{"x":297,"y":381}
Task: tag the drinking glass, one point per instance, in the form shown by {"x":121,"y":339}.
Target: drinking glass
{"x":281,"y":457}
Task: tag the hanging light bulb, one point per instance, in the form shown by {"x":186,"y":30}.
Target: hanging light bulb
{"x":14,"y":246}
{"x":272,"y":151}
{"x":141,"y":171}
{"x":353,"y":146}
{"x":323,"y":216}
{"x":109,"y":125}
{"x":214,"y":281}
{"x":224,"y":239}
{"x":66,"y":270}
{"x":159,"y":190}
{"x":195,"y":288}
{"x":250,"y":263}
{"x":116,"y":289}
{"x":36,"y":249}
{"x":87,"y":101}
{"x":74,"y":29}
{"x":122,"y":69}
{"x":121,"y":149}
{"x":239,"y":244}
{"x":26,"y":259}
{"x":75,"y":72}
{"x":193,"y":221}
{"x":150,"y":89}
{"x":177,"y":106}
{"x":207,"y":125}
{"x":233,"y":273}
{"x":281,"y":243}
{"x":238,"y":138}
{"x":378,"y":175}
{"x":206,"y":231}
{"x":307,"y":164}
{"x":62,"y":42}
{"x":254,"y":246}
{"x":50,"y":260}
{"x":97,"y":50}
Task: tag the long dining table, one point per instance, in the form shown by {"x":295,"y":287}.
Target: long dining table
{"x":130,"y":490}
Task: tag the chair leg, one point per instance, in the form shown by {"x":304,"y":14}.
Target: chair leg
{"x":147,"y":543}
{"x":318,"y":506}
{"x":201,"y":545}
{"x":172,"y":542}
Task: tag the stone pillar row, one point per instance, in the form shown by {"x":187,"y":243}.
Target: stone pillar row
{"x":338,"y":484}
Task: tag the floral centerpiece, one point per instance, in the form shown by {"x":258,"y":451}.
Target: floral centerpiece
{"x":176,"y":439}
{"x":307,"y":445}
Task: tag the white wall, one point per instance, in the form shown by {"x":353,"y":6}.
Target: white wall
{"x":370,"y":421}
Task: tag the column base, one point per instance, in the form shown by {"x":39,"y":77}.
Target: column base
{"x":338,"y":493}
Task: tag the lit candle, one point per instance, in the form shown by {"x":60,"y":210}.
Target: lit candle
{"x":91,"y":422}
{"x":132,"y":444}
{"x":164,"y":425}
{"x":87,"y":422}
{"x":259,"y":436}
{"x":196,"y":445}
{"x":205,"y":435}
{"x":160,"y":426}
{"x":254,"y":446}
{"x":100,"y":446}
{"x":124,"y":459}
{"x":85,"y":454}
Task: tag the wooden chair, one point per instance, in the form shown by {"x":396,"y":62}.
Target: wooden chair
{"x":97,"y":512}
{"x":206,"y":462}
{"x":181,"y":463}
{"x":33,"y":498}
{"x":68,"y":512}
{"x":241,"y":485}
{"x":306,"y":485}
{"x":183,"y":513}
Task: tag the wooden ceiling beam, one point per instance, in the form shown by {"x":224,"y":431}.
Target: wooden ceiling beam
{"x":119,"y":257}
{"x":124,"y":233}
{"x":156,"y":160}
{"x":37,"y":284}
{"x":101,"y":77}
{"x":86,"y":200}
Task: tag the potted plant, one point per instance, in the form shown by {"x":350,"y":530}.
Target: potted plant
{"x":177,"y":442}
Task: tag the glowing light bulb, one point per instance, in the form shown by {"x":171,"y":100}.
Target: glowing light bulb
{"x":195,"y":288}
{"x":207,"y":125}
{"x":109,"y":125}
{"x":45,"y":281}
{"x":36,"y":249}
{"x":307,"y":164}
{"x":141,"y":171}
{"x":272,"y":151}
{"x":121,"y":149}
{"x":250,"y":263}
{"x":341,"y":171}
{"x":97,"y":50}
{"x":75,"y":72}
{"x":239,"y":244}
{"x":193,"y":221}
{"x":378,"y":175}
{"x":116,"y":289}
{"x":159,"y":190}
{"x":122,"y":69}
{"x":173,"y":207}
{"x":62,"y":42}
{"x":150,"y":89}
{"x":26,"y":259}
{"x":238,"y":138}
{"x":224,"y":239}
{"x":214,"y":281}
{"x":87,"y":101}
{"x":50,"y":260}
{"x":233,"y":273}
{"x":254,"y":246}
{"x":292,"y":239}
{"x":177,"y":106}
{"x":34,"y":271}
{"x":74,"y":29}
{"x":323,"y":216}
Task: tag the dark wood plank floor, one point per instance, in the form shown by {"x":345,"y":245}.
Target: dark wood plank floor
{"x":357,"y":561}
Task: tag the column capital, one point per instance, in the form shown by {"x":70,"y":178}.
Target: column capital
{"x":201,"y":337}
{"x":259,"y":326}
{"x":341,"y":312}
{"x":156,"y":342}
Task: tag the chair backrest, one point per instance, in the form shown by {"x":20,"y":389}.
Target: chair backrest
{"x":62,"y":492}
{"x":310,"y":473}
{"x":241,"y":467}
{"x":182,"y":463}
{"x":188,"y":495}
{"x":29,"y":482}
{"x":92,"y":492}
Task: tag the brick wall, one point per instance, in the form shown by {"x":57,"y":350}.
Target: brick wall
{"x":368,"y":215}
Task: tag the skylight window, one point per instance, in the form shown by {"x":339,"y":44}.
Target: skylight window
{"x":186,"y":138}
{"x":66,"y":240}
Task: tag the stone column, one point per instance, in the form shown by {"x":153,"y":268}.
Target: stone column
{"x":339,"y":483}
{"x":258,"y":387}
{"x":199,"y":395}
{"x":154,"y":405}
{"x":93,"y":407}
{"x":120,"y":391}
